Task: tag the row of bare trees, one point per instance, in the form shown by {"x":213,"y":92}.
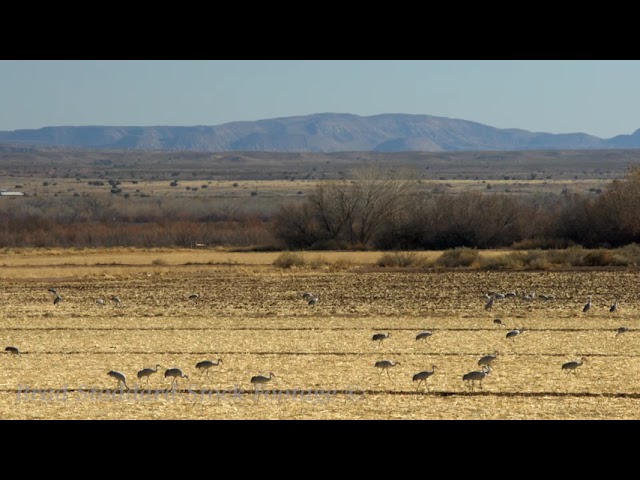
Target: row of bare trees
{"x":377,"y":208}
{"x":384,"y":209}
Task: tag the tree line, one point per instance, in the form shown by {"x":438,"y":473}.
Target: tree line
{"x":376,"y":208}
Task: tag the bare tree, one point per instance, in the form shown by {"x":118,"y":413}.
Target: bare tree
{"x":380,"y":194}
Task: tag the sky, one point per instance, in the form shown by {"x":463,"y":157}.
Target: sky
{"x":598,"y":97}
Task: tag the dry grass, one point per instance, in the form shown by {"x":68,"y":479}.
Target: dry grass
{"x":256,"y":320}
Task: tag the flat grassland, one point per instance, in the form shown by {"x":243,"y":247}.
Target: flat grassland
{"x":253,"y":317}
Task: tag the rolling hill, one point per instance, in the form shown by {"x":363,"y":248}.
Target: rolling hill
{"x":325,"y":132}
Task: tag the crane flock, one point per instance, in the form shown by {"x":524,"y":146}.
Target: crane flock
{"x":471,"y":378}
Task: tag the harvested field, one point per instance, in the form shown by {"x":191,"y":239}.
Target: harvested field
{"x":253,"y":317}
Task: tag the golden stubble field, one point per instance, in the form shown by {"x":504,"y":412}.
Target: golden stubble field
{"x":253,"y":317}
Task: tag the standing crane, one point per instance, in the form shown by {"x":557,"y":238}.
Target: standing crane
{"x":385,"y":365}
{"x":587,"y":306}
{"x":261,"y":379}
{"x":147,"y":372}
{"x":424,"y":335}
{"x":489,"y":304}
{"x":573,"y":366}
{"x":621,"y":330}
{"x":119,"y":376}
{"x":379,"y":337}
{"x":512,"y":334}
{"x":175,"y":373}
{"x":488,"y":359}
{"x":424,"y":376}
{"x":476,"y":376}
{"x":205,"y":365}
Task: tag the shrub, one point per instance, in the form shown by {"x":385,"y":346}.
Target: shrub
{"x":400,"y":259}
{"x":631,"y":253}
{"x":597,"y":258}
{"x":501,"y":262}
{"x":289,"y":260}
{"x":341,"y":264}
{"x":318,"y":262}
{"x":536,"y":260}
{"x":458,"y":257}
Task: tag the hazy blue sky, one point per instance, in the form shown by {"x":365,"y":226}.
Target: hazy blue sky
{"x":600,"y":97}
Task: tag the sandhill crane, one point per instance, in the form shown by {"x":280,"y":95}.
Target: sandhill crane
{"x":497,"y":321}
{"x":175,"y":373}
{"x":512,"y":334}
{"x":621,"y":330}
{"x":476,"y":376}
{"x":379,"y":337}
{"x":12,"y":350}
{"x":57,"y":300}
{"x":307,"y":295}
{"x":194,"y":296}
{"x":99,"y":301}
{"x":573,"y":366}
{"x":205,"y":365}
{"x":614,"y":307}
{"x":424,"y":376}
{"x":488,"y":359}
{"x":260,"y":379}
{"x":489,"y":304}
{"x":147,"y":372}
{"x":115,"y":299}
{"x":386,"y":365}
{"x":313,"y":300}
{"x":119,"y":376}
{"x":424,"y":335}
{"x":53,"y":290}
{"x":587,"y":306}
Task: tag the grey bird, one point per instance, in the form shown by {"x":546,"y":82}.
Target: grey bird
{"x":621,"y":330}
{"x":424,"y":335}
{"x":476,"y":376}
{"x":174,"y":374}
{"x":205,"y":365}
{"x":488,"y":359}
{"x":424,"y":376}
{"x":120,"y":377}
{"x":587,"y":306}
{"x":379,"y":337}
{"x":512,"y":334}
{"x":147,"y":372}
{"x":573,"y":366}
{"x":385,"y":365}
{"x":261,"y":379}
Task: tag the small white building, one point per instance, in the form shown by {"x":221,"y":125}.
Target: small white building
{"x":7,"y":193}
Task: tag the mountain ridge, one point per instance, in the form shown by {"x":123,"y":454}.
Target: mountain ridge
{"x":319,"y":132}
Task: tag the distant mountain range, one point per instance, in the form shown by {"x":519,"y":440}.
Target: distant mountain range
{"x":324,"y":132}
